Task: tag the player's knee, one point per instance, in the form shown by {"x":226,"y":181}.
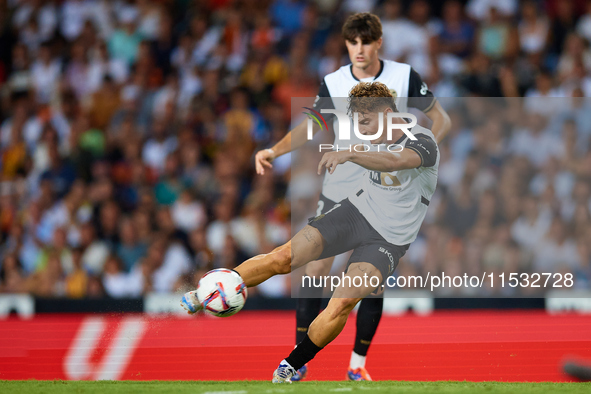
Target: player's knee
{"x":282,"y":260}
{"x":318,"y":268}
{"x":339,"y":307}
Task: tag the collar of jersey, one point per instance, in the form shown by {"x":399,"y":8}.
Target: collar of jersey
{"x":374,"y":78}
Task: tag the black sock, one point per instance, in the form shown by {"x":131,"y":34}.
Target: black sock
{"x":304,"y":352}
{"x":306,"y":310}
{"x":368,"y":318}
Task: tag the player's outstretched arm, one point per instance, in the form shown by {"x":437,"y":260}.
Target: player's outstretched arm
{"x":422,"y":152}
{"x":375,"y":161}
{"x":441,"y":121}
{"x":294,"y":139}
{"x":387,"y":161}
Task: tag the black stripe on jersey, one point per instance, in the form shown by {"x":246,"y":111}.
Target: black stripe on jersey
{"x":374,"y":78}
{"x":323,"y":89}
{"x":323,"y":100}
{"x":418,"y":90}
{"x":425,"y":147}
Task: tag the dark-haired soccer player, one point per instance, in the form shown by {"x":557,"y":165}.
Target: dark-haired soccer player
{"x":379,"y":219}
{"x":363,"y":37}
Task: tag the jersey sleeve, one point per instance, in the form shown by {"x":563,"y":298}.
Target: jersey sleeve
{"x":323,"y":100}
{"x":419,"y":95}
{"x":425,"y":147}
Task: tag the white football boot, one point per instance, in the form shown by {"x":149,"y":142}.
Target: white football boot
{"x":283,"y":373}
{"x":190,"y":302}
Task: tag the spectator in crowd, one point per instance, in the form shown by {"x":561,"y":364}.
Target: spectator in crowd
{"x":77,"y":279}
{"x":456,"y":37}
{"x":496,"y":37}
{"x":117,"y":283}
{"x":12,"y":275}
{"x":95,"y":251}
{"x":394,"y":24}
{"x":533,"y":29}
{"x":130,"y":249}
{"x":125,"y":41}
{"x":45,"y":72}
{"x":557,"y":252}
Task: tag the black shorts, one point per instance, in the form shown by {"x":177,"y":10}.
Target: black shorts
{"x":344,"y":228}
{"x":324,"y":205}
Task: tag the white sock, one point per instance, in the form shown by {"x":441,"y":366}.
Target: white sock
{"x":285,"y":362}
{"x":357,"y":361}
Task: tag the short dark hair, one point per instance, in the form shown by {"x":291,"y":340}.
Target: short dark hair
{"x":367,"y":97}
{"x":364,"y":25}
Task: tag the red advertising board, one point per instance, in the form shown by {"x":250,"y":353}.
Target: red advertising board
{"x":473,"y":346}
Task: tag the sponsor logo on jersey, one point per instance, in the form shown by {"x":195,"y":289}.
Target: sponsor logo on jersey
{"x":384,"y":179}
{"x":424,"y":89}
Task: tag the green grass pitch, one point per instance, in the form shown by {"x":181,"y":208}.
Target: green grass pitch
{"x":49,"y":387}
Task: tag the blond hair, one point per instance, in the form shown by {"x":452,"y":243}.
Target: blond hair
{"x":366,"y":97}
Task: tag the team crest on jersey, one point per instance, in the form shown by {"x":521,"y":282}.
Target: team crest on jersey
{"x":394,"y":94}
{"x":384,"y":179}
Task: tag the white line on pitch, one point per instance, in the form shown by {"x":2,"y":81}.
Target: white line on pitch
{"x":226,"y":392}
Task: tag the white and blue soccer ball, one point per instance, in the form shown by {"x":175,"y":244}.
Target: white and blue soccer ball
{"x":221,"y":292}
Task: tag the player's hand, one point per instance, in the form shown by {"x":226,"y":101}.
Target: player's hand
{"x":263,"y":159}
{"x":331,"y":160}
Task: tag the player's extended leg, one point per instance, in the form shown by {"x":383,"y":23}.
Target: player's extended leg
{"x":368,"y":319}
{"x":308,"y":304}
{"x":328,"y":325}
{"x":304,"y":247}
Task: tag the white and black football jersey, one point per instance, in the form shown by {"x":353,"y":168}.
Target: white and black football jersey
{"x":395,"y":203}
{"x":406,"y":86}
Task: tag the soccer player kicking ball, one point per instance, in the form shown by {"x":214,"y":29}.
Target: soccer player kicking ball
{"x":379,"y":220}
{"x":362,"y":34}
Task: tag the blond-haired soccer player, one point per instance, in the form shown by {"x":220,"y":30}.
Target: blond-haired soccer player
{"x":367,"y":221}
{"x":362,"y":33}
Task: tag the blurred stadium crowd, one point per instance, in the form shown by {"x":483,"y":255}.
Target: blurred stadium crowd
{"x":128,"y":130}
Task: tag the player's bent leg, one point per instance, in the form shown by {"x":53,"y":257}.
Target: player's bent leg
{"x":308,"y":305}
{"x":304,"y":247}
{"x":331,"y":321}
{"x":319,"y":267}
{"x":328,"y":325}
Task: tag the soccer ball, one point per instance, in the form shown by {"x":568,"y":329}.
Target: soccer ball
{"x":221,"y":292}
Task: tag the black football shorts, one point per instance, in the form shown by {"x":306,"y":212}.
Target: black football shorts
{"x":324,"y":205}
{"x":344,"y":228}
